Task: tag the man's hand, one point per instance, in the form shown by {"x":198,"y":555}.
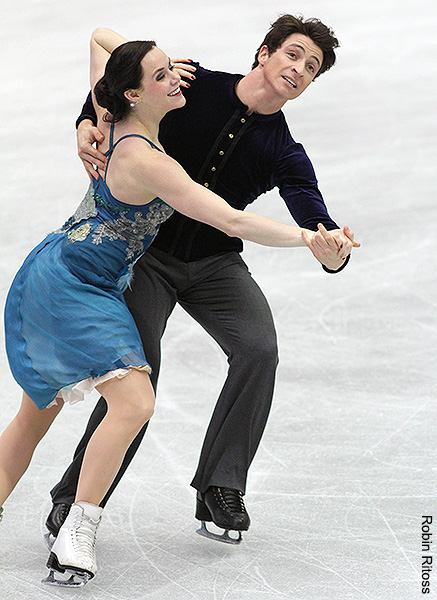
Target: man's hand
{"x":185,"y":70}
{"x":331,"y":248}
{"x":87,"y":135}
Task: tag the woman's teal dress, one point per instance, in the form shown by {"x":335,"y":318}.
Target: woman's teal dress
{"x":65,"y":316}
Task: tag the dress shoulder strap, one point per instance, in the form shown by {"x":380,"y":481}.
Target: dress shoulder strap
{"x":112,"y":146}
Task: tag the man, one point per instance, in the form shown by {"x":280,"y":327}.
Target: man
{"x":232,"y":137}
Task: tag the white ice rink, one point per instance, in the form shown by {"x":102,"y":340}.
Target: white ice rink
{"x":347,"y":466}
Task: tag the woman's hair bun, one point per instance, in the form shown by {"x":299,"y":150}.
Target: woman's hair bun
{"x":123,"y":72}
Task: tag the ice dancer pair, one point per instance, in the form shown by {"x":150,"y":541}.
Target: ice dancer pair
{"x":109,"y":234}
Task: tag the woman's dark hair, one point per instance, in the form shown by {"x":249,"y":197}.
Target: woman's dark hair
{"x":319,"y":33}
{"x":123,"y":72}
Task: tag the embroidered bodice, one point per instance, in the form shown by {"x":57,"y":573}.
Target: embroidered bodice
{"x":105,"y":237}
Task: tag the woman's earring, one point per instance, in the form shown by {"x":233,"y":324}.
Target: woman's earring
{"x":133,"y":104}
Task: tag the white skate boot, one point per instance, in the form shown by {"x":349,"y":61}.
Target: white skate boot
{"x":73,"y":552}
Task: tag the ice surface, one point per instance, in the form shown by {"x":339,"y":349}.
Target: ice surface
{"x":347,"y":465}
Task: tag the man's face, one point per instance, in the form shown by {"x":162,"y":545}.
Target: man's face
{"x":291,"y":68}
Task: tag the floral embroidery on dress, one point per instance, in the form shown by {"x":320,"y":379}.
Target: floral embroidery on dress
{"x":86,"y":210}
{"x":79,"y":234}
{"x":133,"y":232}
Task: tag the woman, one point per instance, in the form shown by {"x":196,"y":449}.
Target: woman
{"x":68,"y":329}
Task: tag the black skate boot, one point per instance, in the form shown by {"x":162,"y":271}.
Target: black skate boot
{"x":54,"y":522}
{"x":225,"y":508}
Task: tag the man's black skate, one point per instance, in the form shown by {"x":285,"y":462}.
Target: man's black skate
{"x":54,"y":522}
{"x":225,"y":508}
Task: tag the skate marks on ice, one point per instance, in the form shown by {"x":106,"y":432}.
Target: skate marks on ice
{"x":327,"y":537}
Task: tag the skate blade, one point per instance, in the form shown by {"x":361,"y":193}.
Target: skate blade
{"x":223,"y":537}
{"x":49,"y":540}
{"x":75,"y":580}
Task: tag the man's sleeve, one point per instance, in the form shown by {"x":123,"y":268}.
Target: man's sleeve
{"x":88,"y":112}
{"x":298,"y":187}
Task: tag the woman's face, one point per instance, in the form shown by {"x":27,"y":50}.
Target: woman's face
{"x":160,"y":83}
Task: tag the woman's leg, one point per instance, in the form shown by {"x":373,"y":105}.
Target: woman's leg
{"x":131,"y":402}
{"x":19,"y":440}
{"x":151,"y":301}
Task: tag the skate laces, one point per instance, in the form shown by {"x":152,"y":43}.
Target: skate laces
{"x":84,"y":535}
{"x":231,"y":499}
{"x":62,"y":514}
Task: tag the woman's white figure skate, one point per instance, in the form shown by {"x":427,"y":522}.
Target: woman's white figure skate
{"x":73,"y":553}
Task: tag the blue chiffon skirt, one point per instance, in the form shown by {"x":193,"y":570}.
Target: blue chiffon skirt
{"x":61,"y":329}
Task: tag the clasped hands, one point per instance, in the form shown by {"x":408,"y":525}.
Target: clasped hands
{"x":331,"y":248}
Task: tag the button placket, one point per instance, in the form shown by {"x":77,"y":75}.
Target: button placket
{"x":226,"y":141}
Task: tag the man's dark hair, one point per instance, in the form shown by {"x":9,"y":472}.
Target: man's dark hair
{"x":319,"y":33}
{"x":123,"y":72}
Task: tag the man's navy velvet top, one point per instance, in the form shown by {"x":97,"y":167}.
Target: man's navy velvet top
{"x":238,"y":156}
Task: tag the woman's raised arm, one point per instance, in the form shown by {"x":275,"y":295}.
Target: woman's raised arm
{"x":103,"y":43}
